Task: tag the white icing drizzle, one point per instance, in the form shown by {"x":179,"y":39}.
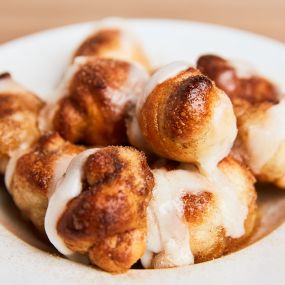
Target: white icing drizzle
{"x":265,"y":136}
{"x":161,"y":75}
{"x":130,"y":90}
{"x":226,"y":77}
{"x":61,"y":90}
{"x":10,"y":169}
{"x":169,"y":189}
{"x":135,"y":135}
{"x":222,"y":134}
{"x":232,"y":208}
{"x":67,"y":187}
{"x":221,"y":138}
{"x":243,"y":68}
{"x":167,"y":230}
{"x":127,"y":93}
{"x":57,"y":200}
{"x":46,"y":115}
{"x":218,"y":145}
{"x":60,"y":168}
{"x":10,"y":86}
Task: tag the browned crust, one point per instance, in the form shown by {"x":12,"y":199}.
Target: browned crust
{"x":208,"y":238}
{"x":95,"y":44}
{"x":251,"y":97}
{"x":197,"y":206}
{"x":258,"y":89}
{"x":10,"y":103}
{"x":34,"y":174}
{"x":18,"y":119}
{"x":37,"y":166}
{"x":110,"y":43}
{"x":5,"y":75}
{"x":273,"y":170}
{"x":158,"y":163}
{"x":239,"y":172}
{"x":176,"y":115}
{"x":185,"y":111}
{"x":240,"y":167}
{"x":98,"y":73}
{"x":69,"y":120}
{"x":108,"y":219}
{"x":89,"y":113}
{"x":254,"y":89}
{"x":247,"y":114}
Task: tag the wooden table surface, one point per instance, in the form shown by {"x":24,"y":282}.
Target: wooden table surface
{"x":21,"y":17}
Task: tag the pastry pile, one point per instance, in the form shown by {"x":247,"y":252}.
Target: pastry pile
{"x":133,"y":164}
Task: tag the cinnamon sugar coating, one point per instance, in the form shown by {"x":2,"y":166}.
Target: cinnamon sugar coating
{"x":19,"y":111}
{"x":34,"y":174}
{"x":107,"y":221}
{"x":254,"y":88}
{"x":96,"y":102}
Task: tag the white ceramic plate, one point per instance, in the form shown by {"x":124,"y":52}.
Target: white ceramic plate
{"x":38,"y":62}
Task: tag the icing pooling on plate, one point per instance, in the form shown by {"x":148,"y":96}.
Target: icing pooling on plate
{"x":266,"y":135}
{"x":68,"y":187}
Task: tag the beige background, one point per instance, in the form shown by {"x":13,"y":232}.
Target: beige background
{"x":21,"y":17}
